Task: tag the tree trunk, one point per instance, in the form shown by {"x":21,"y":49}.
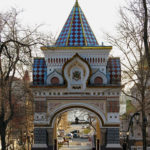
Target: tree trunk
{"x":3,"y":135}
{"x":145,"y":36}
{"x":144,"y":129}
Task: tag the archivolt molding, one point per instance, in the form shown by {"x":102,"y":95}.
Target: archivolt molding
{"x":98,"y":74}
{"x":100,"y":115}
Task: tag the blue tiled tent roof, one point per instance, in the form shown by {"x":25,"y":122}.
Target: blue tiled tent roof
{"x":39,"y":71}
{"x":114,"y":70}
{"x":76,"y":31}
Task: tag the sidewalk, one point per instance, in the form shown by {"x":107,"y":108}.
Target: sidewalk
{"x":75,"y":147}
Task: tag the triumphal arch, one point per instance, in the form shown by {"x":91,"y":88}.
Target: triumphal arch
{"x":76,"y":72}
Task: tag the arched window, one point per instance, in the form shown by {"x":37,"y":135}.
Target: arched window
{"x":48,"y":60}
{"x":98,"y":80}
{"x":96,"y":60}
{"x":56,"y":60}
{"x":54,"y":80}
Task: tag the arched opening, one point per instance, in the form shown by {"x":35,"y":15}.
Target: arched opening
{"x":54,"y":80}
{"x":98,"y":80}
{"x":77,"y":127}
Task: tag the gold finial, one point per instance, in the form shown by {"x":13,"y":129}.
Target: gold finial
{"x":76,"y":2}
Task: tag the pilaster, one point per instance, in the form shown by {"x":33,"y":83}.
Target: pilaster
{"x":113,"y":141}
{"x":40,"y":139}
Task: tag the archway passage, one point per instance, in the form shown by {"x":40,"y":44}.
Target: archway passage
{"x":77,"y":105}
{"x":77,"y":128}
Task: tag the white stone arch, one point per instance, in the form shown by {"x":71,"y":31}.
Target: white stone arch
{"x":98,"y":74}
{"x":65,"y":107}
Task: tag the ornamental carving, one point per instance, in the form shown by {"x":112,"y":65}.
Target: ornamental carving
{"x":76,"y":72}
{"x":101,"y":106}
{"x":53,"y":106}
{"x":76,"y":75}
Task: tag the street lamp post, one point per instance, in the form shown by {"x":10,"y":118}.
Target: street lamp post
{"x":144,"y":124}
{"x":130,"y":124}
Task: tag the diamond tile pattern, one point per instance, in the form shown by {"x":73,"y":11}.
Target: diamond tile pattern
{"x":76,"y":31}
{"x":90,"y":38}
{"x":114,"y":70}
{"x":39,"y":71}
{"x":76,"y":37}
{"x":62,"y":39}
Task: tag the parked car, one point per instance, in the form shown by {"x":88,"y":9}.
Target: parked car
{"x":69,"y":136}
{"x":75,"y":131}
{"x":76,"y":135}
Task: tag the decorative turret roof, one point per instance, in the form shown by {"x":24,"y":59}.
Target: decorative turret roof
{"x":76,"y":31}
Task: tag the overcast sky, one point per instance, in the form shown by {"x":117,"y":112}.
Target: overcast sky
{"x":102,"y":15}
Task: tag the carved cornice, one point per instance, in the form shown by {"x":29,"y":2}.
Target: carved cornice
{"x":44,"y":48}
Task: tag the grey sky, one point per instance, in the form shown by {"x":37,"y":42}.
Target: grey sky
{"x":102,"y":15}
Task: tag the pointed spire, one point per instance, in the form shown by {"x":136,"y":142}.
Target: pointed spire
{"x":76,"y":4}
{"x":76,"y":31}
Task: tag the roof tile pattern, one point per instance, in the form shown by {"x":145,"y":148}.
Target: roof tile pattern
{"x":114,"y":70}
{"x":76,"y":37}
{"x":39,"y":71}
{"x":76,"y":31}
{"x":62,"y":39}
{"x":89,"y":36}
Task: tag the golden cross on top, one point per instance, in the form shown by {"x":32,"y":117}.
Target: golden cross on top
{"x":76,"y":1}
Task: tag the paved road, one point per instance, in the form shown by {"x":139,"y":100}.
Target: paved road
{"x":77,"y":144}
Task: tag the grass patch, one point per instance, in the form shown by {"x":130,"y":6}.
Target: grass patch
{"x":86,"y":131}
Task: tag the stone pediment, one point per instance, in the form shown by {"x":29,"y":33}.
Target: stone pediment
{"x":98,"y":74}
{"x":56,"y":75}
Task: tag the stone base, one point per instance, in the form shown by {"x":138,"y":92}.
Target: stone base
{"x":113,"y":147}
{"x":39,"y":148}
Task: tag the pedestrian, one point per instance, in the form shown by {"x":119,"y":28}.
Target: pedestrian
{"x":124,"y":146}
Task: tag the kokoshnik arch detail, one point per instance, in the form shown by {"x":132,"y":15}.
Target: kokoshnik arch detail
{"x":76,"y":72}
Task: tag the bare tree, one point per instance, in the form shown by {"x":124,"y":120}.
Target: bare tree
{"x":139,"y":10}
{"x":146,"y":21}
{"x":132,"y":40}
{"x":16,"y":45}
{"x":86,"y":116}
